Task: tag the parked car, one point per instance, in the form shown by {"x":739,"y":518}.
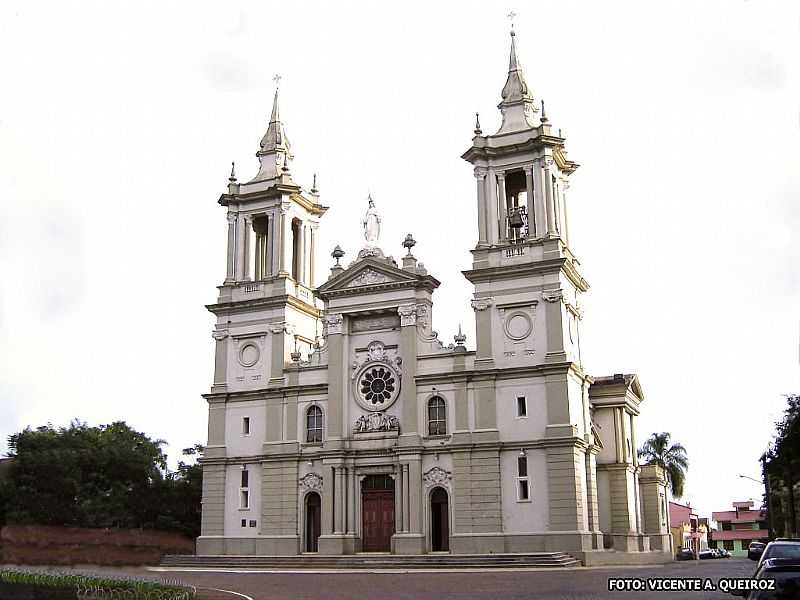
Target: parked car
{"x":707,"y":554}
{"x":723,"y":553}
{"x":755,"y":549}
{"x":785,"y":572}
{"x":685,"y":554}
{"x":779,"y":549}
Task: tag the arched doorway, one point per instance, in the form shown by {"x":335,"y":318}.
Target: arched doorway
{"x":440,"y":521}
{"x":313,"y":521}
{"x":377,"y":513}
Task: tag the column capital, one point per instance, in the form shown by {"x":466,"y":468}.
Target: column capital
{"x":334,"y":323}
{"x":481,"y":303}
{"x":479,"y":173}
{"x":501,"y":175}
{"x":232,"y":216}
{"x":408,"y":314}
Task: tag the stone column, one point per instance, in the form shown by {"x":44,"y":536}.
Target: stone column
{"x":327,"y":502}
{"x":549,"y":200}
{"x":399,"y":500}
{"x":408,"y":391}
{"x":480,"y":177}
{"x":503,"y":218}
{"x":351,"y":501}
{"x":406,"y":511}
{"x":230,"y":265}
{"x":415,"y":496}
{"x":565,"y":219}
{"x":484,"y":358}
{"x":338,"y":501}
{"x":284,"y":241}
{"x":312,"y":261}
{"x":531,"y":206}
{"x":492,"y":228}
{"x":248,"y":226}
{"x":274,"y":243}
{"x":240,"y":255}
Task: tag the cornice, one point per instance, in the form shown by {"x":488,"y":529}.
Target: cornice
{"x":491,"y":274}
{"x":241,"y":306}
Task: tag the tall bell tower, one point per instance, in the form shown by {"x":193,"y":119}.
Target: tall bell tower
{"x":266,"y":310}
{"x":527,"y":286}
{"x":523,"y":248}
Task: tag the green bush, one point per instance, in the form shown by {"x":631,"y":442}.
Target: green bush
{"x":87,"y":586}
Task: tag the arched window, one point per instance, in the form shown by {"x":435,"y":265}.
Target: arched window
{"x":314,"y":424}
{"x":437,"y":419}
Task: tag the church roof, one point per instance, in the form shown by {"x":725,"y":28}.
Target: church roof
{"x":375,"y":274}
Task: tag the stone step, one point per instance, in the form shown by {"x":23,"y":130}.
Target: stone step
{"x":387,"y":561}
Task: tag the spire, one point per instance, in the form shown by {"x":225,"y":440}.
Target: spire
{"x":517,"y":106}
{"x":275,"y":151}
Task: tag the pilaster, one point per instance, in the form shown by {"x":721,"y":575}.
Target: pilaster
{"x":221,"y":339}
{"x":503,"y":217}
{"x":530,"y":205}
{"x":230,"y":263}
{"x":408,"y":390}
{"x":337,"y":388}
{"x":484,"y":356}
{"x":480,"y":178}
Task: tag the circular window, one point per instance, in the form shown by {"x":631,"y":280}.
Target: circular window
{"x":249,"y":355}
{"x":518,"y":326}
{"x":377,"y":386}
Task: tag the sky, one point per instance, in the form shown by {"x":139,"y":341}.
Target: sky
{"x":119,"y":121}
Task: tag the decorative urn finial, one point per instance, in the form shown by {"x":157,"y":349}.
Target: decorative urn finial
{"x":409,"y":243}
{"x":337,"y":254}
{"x":459,"y":339}
{"x":478,"y":130}
{"x":232,"y":178}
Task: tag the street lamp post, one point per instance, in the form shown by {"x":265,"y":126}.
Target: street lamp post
{"x":765,"y":483}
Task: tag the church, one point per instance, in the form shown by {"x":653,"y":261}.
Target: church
{"x":338,"y":421}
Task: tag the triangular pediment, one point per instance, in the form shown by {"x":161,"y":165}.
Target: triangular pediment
{"x":371,"y":274}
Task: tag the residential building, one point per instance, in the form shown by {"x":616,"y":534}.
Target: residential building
{"x":738,"y":527}
{"x":687,"y":528}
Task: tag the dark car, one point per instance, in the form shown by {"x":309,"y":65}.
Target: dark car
{"x":785,"y":572}
{"x":779,"y":549}
{"x":755,"y":549}
{"x":684,"y":554}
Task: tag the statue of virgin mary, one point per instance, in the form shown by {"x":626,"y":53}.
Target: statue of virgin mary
{"x":371,"y":224}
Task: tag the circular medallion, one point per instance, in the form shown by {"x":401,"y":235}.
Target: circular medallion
{"x":249,"y":355}
{"x":377,"y":386}
{"x":518,"y":326}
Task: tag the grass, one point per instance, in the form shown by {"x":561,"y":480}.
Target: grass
{"x":100,"y":587}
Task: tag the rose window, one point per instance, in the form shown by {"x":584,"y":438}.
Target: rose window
{"x":377,"y":385}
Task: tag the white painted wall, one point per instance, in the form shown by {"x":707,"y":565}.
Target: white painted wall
{"x":233,"y":514}
{"x":245,"y":445}
{"x":524,"y":517}
{"x":509,"y":425}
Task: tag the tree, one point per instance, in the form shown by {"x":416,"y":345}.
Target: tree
{"x":105,"y":476}
{"x":672,"y":458}
{"x":783,"y":468}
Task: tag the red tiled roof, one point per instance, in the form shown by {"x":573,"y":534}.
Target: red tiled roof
{"x":745,"y":516}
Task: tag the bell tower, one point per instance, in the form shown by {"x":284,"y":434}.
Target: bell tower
{"x":269,"y":279}
{"x":522,"y":255}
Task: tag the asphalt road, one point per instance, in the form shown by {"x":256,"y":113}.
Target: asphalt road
{"x":560,"y":584}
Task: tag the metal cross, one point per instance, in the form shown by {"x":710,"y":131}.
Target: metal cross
{"x":277,"y":80}
{"x":511,"y":16}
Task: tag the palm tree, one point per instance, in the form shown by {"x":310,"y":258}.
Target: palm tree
{"x":672,"y":458}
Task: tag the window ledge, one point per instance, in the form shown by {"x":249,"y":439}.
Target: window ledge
{"x":438,"y":436}
{"x":311,"y":444}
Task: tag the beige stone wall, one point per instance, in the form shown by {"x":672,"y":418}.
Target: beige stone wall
{"x":565,"y":482}
{"x":213,"y":519}
{"x":279,"y":498}
{"x":476,"y":491}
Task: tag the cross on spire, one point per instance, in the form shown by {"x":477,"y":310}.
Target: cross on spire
{"x":511,"y":17}
{"x":277,"y":80}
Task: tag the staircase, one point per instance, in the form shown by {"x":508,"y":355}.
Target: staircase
{"x":374,"y":561}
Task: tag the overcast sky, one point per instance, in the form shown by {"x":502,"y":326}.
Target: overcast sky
{"x":119,"y":120}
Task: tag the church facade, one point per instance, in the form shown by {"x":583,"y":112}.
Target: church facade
{"x":339,"y":422}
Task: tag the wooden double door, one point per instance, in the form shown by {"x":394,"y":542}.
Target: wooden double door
{"x":377,"y":513}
